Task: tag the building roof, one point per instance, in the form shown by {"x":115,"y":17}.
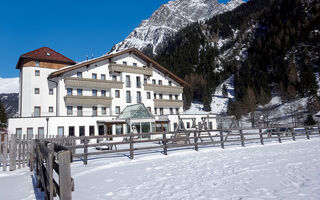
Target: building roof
{"x":136,"y":111}
{"x":131,"y":50}
{"x":45,"y":54}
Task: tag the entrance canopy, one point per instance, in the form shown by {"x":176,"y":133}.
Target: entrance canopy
{"x":137,"y":111}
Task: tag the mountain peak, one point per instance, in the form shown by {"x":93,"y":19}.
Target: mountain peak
{"x":171,"y":17}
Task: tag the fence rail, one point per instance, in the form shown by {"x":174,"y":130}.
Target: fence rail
{"x":49,"y":159}
{"x":177,"y":139}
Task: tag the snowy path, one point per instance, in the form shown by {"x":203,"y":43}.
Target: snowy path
{"x":290,"y":170}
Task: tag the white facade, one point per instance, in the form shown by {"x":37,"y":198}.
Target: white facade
{"x":88,"y":93}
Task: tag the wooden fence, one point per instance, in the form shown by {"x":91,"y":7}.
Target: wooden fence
{"x":14,"y":151}
{"x":167,"y":140}
{"x":49,"y":159}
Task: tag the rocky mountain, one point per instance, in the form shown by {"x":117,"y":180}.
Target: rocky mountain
{"x":9,"y":95}
{"x":152,"y":33}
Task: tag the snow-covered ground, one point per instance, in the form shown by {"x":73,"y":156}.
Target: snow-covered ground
{"x":290,"y":170}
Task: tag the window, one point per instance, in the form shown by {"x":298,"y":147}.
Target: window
{"x":119,"y":129}
{"x":29,"y":133}
{"x":117,"y":109}
{"x":148,"y":95}
{"x":60,"y":130}
{"x":154,"y":95}
{"x":117,"y":93}
{"x":175,"y":126}
{"x":103,"y":93}
{"x":103,"y":110}
{"x":79,"y":92}
{"x":94,"y":111}
{"x":37,"y":111}
{"x":170,"y":96}
{"x":138,"y":82}
{"x":103,"y":77}
{"x":134,"y":64}
{"x":149,"y":109}
{"x":171,"y":111}
{"x":94,"y":76}
{"x":37,"y":63}
{"x":40,"y":132}
{"x":124,"y":63}
{"x":170,"y":83}
{"x":71,"y":130}
{"x":91,"y":130}
{"x":160,"y":82}
{"x":128,"y":82}
{"x":161,"y":111}
{"x":69,"y":110}
{"x":50,"y":109}
{"x":79,"y":111}
{"x":139,"y":97}
{"x":82,"y":132}
{"x":114,"y":77}
{"x":160,"y":96}
{"x":19,"y":132}
{"x":188,"y":124}
{"x":37,"y":90}
{"x":210,"y":126}
{"x":50,"y":91}
{"x":128,"y":96}
{"x":94,"y":93}
{"x":177,"y":110}
{"x":37,"y":72}
{"x":145,"y":80}
{"x":177,"y":97}
{"x":79,"y":74}
{"x":153,"y":81}
{"x":155,"y":111}
{"x":69,"y":91}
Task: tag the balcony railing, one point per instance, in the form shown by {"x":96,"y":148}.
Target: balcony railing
{"x":113,"y":67}
{"x":88,"y":100}
{"x":164,"y":89}
{"x":168,"y":103}
{"x":92,"y":83}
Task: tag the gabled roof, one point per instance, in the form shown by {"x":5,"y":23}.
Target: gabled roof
{"x":45,"y":54}
{"x":106,"y":57}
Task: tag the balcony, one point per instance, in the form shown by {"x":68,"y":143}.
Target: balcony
{"x":164,"y":89}
{"x":167,"y":103}
{"x":129,"y":69}
{"x":92,"y":83}
{"x":88,"y":100}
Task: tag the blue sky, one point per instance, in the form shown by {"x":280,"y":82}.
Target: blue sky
{"x":73,"y":28}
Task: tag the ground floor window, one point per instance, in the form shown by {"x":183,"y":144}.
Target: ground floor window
{"x":61,"y":131}
{"x":41,"y":132}
{"x":119,"y":129}
{"x":71,"y":131}
{"x":91,"y":130}
{"x":30,"y":133}
{"x":101,"y":130}
{"x":19,"y":132}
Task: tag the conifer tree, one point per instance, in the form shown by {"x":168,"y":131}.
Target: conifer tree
{"x":3,"y":115}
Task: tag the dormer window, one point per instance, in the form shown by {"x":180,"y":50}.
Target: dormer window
{"x":79,"y":74}
{"x":134,"y":64}
{"x":37,"y":63}
{"x":124,"y":63}
{"x":48,"y":54}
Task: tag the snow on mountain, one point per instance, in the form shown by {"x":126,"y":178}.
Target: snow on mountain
{"x":151,"y":34}
{"x":9,"y":85}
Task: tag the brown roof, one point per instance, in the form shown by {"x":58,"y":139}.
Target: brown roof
{"x":131,"y":50}
{"x":45,"y":54}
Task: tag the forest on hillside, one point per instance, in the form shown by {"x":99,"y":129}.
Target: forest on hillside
{"x":282,"y":54}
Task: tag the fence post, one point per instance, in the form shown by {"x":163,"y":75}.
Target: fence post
{"x":319,"y":130}
{"x":221,"y":140}
{"x":307,"y":133}
{"x":196,"y":141}
{"x":50,"y":169}
{"x":5,"y":152}
{"x":261,"y":136}
{"x":23,"y":151}
{"x":242,"y":138}
{"x":164,"y":142}
{"x":65,"y":175}
{"x":1,"y":145}
{"x":31,"y":155}
{"x":85,"y":157}
{"x":279,"y":137}
{"x":131,"y":146}
{"x":13,"y":152}
{"x":293,"y":134}
{"x":19,"y":152}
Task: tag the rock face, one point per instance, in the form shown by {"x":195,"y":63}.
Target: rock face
{"x":152,"y":33}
